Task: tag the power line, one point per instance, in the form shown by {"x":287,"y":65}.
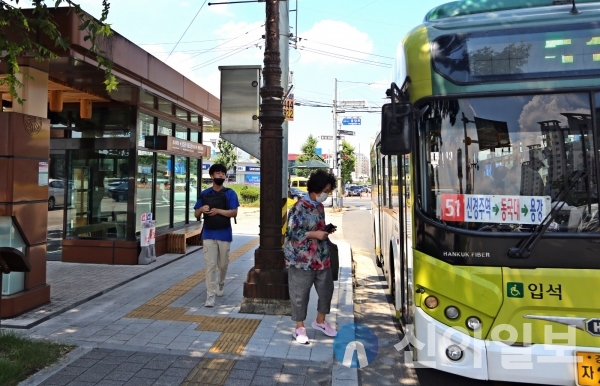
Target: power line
{"x":345,"y":57}
{"x":204,"y":51}
{"x":188,"y":27}
{"x":226,"y":55}
{"x":219,"y":45}
{"x":342,"y":48}
{"x":356,"y":10}
{"x":379,"y":22}
{"x":187,"y":42}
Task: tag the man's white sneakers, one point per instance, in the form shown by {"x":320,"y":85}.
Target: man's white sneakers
{"x":210,"y":301}
{"x":220,"y":290}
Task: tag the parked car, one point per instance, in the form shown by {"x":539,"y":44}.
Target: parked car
{"x":354,"y":190}
{"x":119,"y":192}
{"x":295,"y":193}
{"x":56,"y":193}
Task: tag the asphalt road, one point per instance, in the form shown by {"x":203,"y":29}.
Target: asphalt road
{"x":373,"y":308}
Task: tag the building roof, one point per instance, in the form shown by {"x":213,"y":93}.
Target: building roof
{"x":134,"y":67}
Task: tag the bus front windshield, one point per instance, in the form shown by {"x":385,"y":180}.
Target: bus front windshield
{"x":502,"y":163}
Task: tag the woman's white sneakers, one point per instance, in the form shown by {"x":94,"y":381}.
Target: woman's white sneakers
{"x":325,"y":328}
{"x":300,"y":335}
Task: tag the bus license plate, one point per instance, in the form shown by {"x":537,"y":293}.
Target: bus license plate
{"x":588,"y":368}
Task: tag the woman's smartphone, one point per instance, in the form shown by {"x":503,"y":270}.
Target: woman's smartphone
{"x":329,"y":228}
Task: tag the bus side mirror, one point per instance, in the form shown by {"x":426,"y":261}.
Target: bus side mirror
{"x":396,"y":128}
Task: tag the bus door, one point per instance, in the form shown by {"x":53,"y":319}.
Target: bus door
{"x":380,"y":208}
{"x":406,"y":290}
{"x":399,"y":231}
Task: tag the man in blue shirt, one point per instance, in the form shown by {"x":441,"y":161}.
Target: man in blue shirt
{"x":216,"y":233}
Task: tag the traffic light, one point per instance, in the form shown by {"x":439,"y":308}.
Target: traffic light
{"x":338,"y":158}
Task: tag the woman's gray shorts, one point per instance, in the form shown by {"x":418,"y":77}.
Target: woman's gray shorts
{"x":300,"y":282}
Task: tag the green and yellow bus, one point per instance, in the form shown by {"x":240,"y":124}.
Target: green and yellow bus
{"x":485,"y":190}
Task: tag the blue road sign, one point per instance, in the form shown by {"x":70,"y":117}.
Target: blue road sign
{"x":351,"y":121}
{"x":355,"y":345}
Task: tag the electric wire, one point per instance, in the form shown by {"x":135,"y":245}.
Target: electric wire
{"x":345,"y":57}
{"x":356,"y":10}
{"x":188,"y":27}
{"x":203,"y":51}
{"x":219,"y":45}
{"x":186,"y":42}
{"x":226,"y":55}
{"x":343,"y":48}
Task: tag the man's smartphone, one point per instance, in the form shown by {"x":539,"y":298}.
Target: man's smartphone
{"x":329,"y":228}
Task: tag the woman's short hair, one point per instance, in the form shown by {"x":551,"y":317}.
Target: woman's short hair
{"x":318,"y":180}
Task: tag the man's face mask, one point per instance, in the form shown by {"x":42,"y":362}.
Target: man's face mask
{"x":219,"y":181}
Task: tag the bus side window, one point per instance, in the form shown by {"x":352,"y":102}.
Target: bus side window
{"x":384,"y":169}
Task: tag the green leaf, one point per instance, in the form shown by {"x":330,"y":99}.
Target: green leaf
{"x":84,"y":25}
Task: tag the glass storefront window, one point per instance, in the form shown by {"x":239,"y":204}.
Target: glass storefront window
{"x":194,"y":136}
{"x":194,"y":182}
{"x":144,"y":186}
{"x":528,"y":153}
{"x":164,"y":127}
{"x":180,"y":193}
{"x":165,"y":106}
{"x":147,"y":98}
{"x":145,"y":127}
{"x":162,"y":190}
{"x":194,"y":118}
{"x":181,"y":114}
{"x":98,"y":189}
{"x":107,"y":121}
{"x":181,"y":132}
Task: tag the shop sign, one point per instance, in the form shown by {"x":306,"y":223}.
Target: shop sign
{"x":177,"y":146}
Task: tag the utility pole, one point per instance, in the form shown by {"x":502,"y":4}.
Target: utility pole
{"x":337,"y":162}
{"x":266,"y":289}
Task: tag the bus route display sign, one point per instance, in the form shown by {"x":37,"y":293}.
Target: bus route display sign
{"x":495,"y":208}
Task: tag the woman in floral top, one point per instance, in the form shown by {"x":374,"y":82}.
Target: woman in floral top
{"x":307,"y":255}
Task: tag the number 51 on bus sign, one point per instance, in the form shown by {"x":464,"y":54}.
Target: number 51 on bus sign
{"x":494,"y":208}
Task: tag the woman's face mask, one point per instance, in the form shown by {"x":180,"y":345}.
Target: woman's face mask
{"x":322,"y":197}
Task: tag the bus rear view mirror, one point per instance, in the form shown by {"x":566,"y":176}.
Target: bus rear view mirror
{"x":396,"y":128}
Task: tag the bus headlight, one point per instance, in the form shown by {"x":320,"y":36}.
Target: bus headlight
{"x":431,"y":302}
{"x":452,"y":312}
{"x":454,"y":353}
{"x":473,"y":323}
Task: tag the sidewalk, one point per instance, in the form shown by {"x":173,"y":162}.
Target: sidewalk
{"x":154,"y":329}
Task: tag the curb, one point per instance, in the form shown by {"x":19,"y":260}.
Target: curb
{"x":340,"y":374}
{"x":46,"y":373}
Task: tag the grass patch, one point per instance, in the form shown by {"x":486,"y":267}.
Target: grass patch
{"x":20,"y":357}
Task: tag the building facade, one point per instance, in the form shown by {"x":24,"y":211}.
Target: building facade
{"x":117,"y":155}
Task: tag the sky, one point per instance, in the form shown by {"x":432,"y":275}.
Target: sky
{"x":362,"y":35}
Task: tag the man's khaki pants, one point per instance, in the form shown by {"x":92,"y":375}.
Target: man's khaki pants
{"x":216,"y":258}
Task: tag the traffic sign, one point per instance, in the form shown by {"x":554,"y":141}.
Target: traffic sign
{"x":345,"y":132}
{"x":352,"y":103}
{"x":351,"y":121}
{"x":326,"y":137}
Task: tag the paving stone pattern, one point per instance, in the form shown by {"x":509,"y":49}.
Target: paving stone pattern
{"x":132,"y":368}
